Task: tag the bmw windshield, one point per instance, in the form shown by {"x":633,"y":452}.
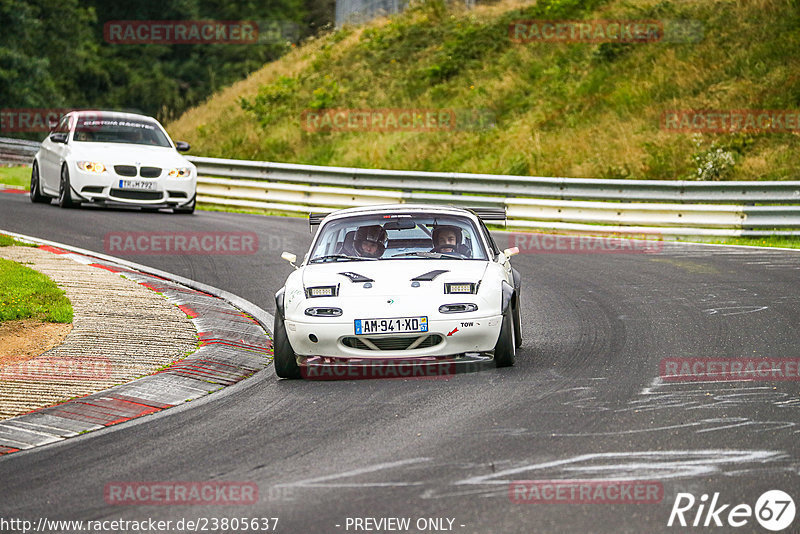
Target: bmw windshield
{"x":109,"y":130}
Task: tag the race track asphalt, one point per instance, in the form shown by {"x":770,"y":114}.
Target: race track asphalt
{"x":584,"y":401}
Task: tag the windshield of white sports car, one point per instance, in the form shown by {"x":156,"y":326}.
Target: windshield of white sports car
{"x":108,"y":130}
{"x":400,"y":236}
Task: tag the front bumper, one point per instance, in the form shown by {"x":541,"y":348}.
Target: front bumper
{"x":453,"y":337}
{"x":105,"y":189}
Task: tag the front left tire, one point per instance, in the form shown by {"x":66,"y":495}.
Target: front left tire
{"x":186,"y":210}
{"x":36,"y":189}
{"x":517,"y":324}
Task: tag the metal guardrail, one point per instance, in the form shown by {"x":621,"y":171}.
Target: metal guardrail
{"x":17,"y":150}
{"x":666,"y":207}
{"x":676,"y":191}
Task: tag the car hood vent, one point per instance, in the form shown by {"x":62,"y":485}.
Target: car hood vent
{"x":356,"y":278}
{"x":429,"y":276}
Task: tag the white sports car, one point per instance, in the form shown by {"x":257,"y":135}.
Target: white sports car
{"x":111,"y":158}
{"x":398,"y":284}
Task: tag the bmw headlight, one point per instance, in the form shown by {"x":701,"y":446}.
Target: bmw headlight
{"x":180,"y":172}
{"x":91,"y":166}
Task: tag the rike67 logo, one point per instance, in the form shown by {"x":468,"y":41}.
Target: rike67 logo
{"x":774,"y":510}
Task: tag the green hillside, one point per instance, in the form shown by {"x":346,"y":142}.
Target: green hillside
{"x":536,"y":108}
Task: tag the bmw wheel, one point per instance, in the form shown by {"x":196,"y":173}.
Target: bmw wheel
{"x":64,"y":192}
{"x":36,"y":189}
{"x":185,"y":210}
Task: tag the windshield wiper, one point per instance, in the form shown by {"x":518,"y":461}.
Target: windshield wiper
{"x":336,"y":257}
{"x":435,"y":255}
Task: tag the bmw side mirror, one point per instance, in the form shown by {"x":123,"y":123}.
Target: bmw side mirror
{"x":182,"y":146}
{"x":291,"y":258}
{"x":58,"y":137}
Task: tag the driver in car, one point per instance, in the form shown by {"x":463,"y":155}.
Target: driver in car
{"x":370,"y":241}
{"x":446,"y":239}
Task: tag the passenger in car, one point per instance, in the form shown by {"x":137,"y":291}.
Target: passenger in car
{"x":369,"y":242}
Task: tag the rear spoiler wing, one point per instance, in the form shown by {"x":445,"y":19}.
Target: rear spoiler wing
{"x":485,"y":214}
{"x":490,"y":214}
{"x":314,"y":219}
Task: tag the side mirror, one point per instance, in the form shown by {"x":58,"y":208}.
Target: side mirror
{"x":182,"y":146}
{"x":291,"y":258}
{"x":58,"y":137}
{"x":513,"y":251}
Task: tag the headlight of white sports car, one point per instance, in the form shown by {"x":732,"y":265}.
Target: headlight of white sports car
{"x":322,"y":291}
{"x":456,"y":288}
{"x":464,"y":307}
{"x":91,"y":166}
{"x":323,"y":311}
{"x":180,"y":172}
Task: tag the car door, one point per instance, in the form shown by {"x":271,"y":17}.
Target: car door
{"x":51,"y":156}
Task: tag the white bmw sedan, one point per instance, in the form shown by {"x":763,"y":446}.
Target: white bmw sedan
{"x":112,"y":158}
{"x":410,"y":285}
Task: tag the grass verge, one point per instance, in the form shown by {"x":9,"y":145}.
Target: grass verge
{"x":772,"y":241}
{"x":28,"y":294}
{"x":575,"y":109}
{"x":20,"y":176}
{"x":8,"y":241}
{"x":249,"y":211}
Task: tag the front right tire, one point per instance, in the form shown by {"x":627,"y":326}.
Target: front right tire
{"x":64,"y":191}
{"x":284,"y":358}
{"x":36,"y":189}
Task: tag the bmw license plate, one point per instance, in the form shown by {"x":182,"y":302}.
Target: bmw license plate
{"x":137,"y":184}
{"x":396,"y":325}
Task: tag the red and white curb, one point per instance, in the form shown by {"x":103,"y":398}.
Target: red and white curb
{"x":234,"y":343}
